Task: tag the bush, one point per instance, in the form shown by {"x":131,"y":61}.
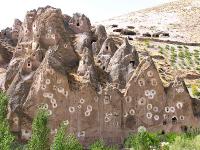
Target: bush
{"x":168,"y":137}
{"x":6,"y":138}
{"x":182,"y":143}
{"x":3,"y":106}
{"x":192,"y":133}
{"x":99,"y":145}
{"x":72,"y":143}
{"x":142,"y":141}
{"x":62,"y":141}
{"x":40,"y":131}
{"x":181,"y":55}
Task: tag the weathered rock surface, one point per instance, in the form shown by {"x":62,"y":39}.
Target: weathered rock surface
{"x":83,"y":78}
{"x":123,"y":63}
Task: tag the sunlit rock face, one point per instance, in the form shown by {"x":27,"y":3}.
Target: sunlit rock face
{"x":83,"y":78}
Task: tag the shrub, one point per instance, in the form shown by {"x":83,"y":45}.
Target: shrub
{"x":62,"y":141}
{"x":168,"y":137}
{"x":181,"y":55}
{"x":167,"y":47}
{"x":182,"y":143}
{"x":72,"y":143}
{"x":6,"y":138}
{"x":40,"y":131}
{"x":99,"y":145}
{"x":191,"y":133}
{"x":3,"y":106}
{"x":142,"y":141}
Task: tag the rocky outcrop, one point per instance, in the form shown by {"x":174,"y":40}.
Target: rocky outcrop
{"x":123,"y":63}
{"x":101,"y":35}
{"x":83,"y":78}
{"x":107,"y":51}
{"x":80,"y":23}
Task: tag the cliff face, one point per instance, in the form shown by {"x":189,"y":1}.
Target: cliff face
{"x":92,"y":81}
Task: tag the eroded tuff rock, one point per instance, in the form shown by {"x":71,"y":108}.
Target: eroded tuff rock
{"x":107,"y":51}
{"x":83,"y":79}
{"x":123,"y":63}
{"x":101,"y":35}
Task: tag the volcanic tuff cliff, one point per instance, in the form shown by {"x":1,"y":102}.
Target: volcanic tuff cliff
{"x":97,"y":83}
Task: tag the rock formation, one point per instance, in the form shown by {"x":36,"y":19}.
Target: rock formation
{"x":82,"y":78}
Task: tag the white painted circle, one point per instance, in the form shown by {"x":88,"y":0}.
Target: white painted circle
{"x":87,"y":113}
{"x":149,"y":115}
{"x":132,"y":112}
{"x":142,"y":101}
{"x":89,"y":108}
{"x":128,"y":99}
{"x":47,"y":81}
{"x":156,"y":117}
{"x":150,"y":73}
{"x":71,"y":109}
{"x":82,"y":101}
{"x":172,"y":109}
{"x":155,"y":109}
{"x":167,"y":109}
{"x":149,"y":106}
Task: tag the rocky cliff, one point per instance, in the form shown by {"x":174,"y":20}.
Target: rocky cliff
{"x":96,"y":83}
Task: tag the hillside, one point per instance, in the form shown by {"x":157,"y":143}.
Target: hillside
{"x":180,"y":19}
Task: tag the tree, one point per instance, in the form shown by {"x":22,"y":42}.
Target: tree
{"x":62,"y":141}
{"x":6,"y":138}
{"x":40,"y":132}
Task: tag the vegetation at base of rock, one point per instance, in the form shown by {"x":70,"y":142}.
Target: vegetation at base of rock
{"x":62,"y":141}
{"x":6,"y":138}
{"x":40,"y":132}
{"x":189,"y":140}
{"x":3,"y":106}
{"x":142,"y":140}
{"x":100,"y":145}
{"x":72,"y":143}
{"x":183,"y":143}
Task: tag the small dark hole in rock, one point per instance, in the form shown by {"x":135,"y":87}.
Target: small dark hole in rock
{"x":132,"y":62}
{"x":93,"y":41}
{"x":184,"y":128}
{"x":164,"y":122}
{"x":104,"y":67}
{"x":163,"y":132}
{"x":106,"y":47}
{"x":174,"y":120}
{"x":77,"y":24}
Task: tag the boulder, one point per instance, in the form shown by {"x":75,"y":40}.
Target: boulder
{"x":128,"y":32}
